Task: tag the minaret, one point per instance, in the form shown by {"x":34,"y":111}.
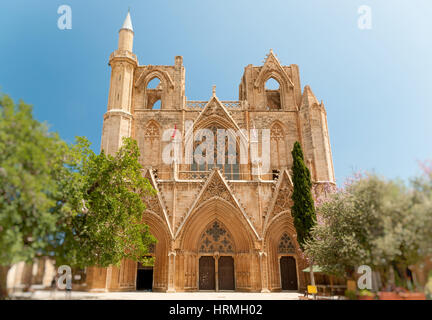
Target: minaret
{"x":118,"y":119}
{"x":126,"y":35}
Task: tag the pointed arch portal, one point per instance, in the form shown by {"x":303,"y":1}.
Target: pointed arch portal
{"x":288,"y":268}
{"x":216,"y":263}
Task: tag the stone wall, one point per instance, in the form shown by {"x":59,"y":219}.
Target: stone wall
{"x":254,"y":209}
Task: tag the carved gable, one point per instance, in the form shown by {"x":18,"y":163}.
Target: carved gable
{"x":216,"y":110}
{"x":282,"y":197}
{"x":272,"y":65}
{"x":216,"y":187}
{"x":154,"y":202}
{"x":283,"y":200}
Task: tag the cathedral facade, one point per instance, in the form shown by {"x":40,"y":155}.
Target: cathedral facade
{"x":219,"y":226}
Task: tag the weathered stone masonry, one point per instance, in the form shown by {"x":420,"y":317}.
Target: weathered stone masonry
{"x":217,"y":229}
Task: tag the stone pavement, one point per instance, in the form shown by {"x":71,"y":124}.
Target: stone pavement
{"x":137,"y":295}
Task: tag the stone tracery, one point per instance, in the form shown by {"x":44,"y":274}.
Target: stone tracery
{"x":216,"y":188}
{"x":283,"y":201}
{"x":216,"y":238}
{"x":285,"y":244}
{"x":277,"y":132}
{"x":152,"y":131}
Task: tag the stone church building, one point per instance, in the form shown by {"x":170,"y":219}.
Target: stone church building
{"x":218,"y":227}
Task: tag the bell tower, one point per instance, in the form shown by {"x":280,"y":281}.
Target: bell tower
{"x":118,"y":118}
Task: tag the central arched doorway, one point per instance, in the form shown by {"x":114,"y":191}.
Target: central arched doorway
{"x":224,"y":273}
{"x":216,"y":229}
{"x":216,"y":271}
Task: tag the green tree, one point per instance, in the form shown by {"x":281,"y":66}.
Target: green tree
{"x":31,"y":162}
{"x":303,"y":209}
{"x":64,"y":201}
{"x":373,"y":222}
{"x":422,"y":199}
{"x":105,"y":221}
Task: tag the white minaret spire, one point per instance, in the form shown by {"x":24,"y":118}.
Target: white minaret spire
{"x":127,"y":24}
{"x":126,"y":34}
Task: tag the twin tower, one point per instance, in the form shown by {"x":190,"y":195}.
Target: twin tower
{"x":219,"y":227}
{"x":132,"y":100}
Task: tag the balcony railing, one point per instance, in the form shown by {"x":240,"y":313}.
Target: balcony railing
{"x":193,"y":175}
{"x":232,"y":104}
{"x":196,"y":104}
{"x":200,"y":104}
{"x":203,"y":175}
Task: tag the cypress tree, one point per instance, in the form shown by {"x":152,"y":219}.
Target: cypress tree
{"x":303,"y":209}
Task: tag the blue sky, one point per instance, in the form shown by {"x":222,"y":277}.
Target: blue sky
{"x":376,"y":84}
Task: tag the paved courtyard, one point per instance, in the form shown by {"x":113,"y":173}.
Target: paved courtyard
{"x":81,"y":295}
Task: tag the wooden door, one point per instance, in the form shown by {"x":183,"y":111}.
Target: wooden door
{"x":226,"y":273}
{"x":288,"y":273}
{"x":207,"y":273}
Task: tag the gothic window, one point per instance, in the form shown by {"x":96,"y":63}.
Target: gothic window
{"x":154,"y":94}
{"x":154,"y":83}
{"x":157,"y":105}
{"x":231,"y":165}
{"x":150,"y":145}
{"x":277,"y":147}
{"x":272,"y":92}
{"x":285,"y":244}
{"x":216,"y":238}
